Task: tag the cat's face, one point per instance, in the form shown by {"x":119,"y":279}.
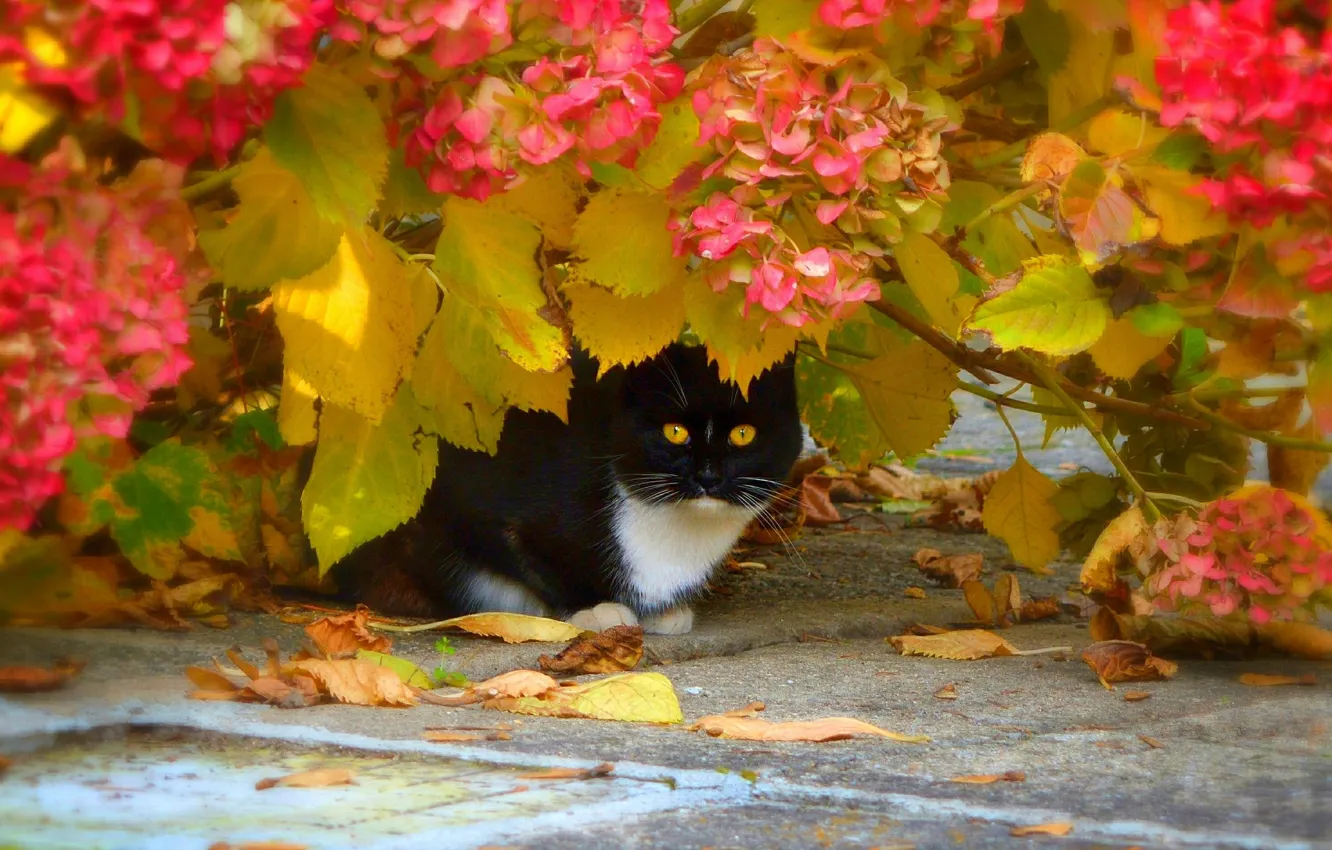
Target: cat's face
{"x":682,"y":433}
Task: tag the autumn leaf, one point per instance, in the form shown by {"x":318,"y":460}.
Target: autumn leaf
{"x":1175,"y":197}
{"x":814,"y":731}
{"x":623,"y":245}
{"x":907,"y":390}
{"x":549,"y":199}
{"x":614,"y":650}
{"x":990,"y":778}
{"x":340,"y":636}
{"x":26,"y":680}
{"x":816,"y":502}
{"x":1297,"y":470}
{"x":1126,"y":661}
{"x":963,"y":645}
{"x":512,"y":628}
{"x":1050,"y":157}
{"x":601,"y":317}
{"x":597,"y":772}
{"x":1059,"y":828}
{"x":1099,"y":572}
{"x":1136,"y":696}
{"x":933,"y":279}
{"x":1100,"y":216}
{"x":1267,"y":680}
{"x":1053,"y":309}
{"x":514,"y":684}
{"x":633,"y":697}
{"x":356,"y":681}
{"x":947,"y":692}
{"x":950,"y":570}
{"x":1303,"y":639}
{"x":407,"y":671}
{"x":676,"y":144}
{"x":1018,"y":510}
{"x":318,"y":778}
{"x":1123,"y":348}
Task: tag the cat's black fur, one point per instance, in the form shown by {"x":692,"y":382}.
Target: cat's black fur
{"x":542,"y":512}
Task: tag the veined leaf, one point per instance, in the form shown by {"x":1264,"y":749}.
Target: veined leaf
{"x":634,"y":697}
{"x":1098,"y":571}
{"x":907,"y":390}
{"x":367,"y":478}
{"x":1085,"y":74}
{"x":626,"y":330}
{"x":622,"y":240}
{"x":1186,"y":214}
{"x":274,"y":234}
{"x":1054,"y":309}
{"x":933,"y":279}
{"x":405,"y":191}
{"x":296,"y":410}
{"x":779,"y":20}
{"x":514,"y":628}
{"x":153,"y":503}
{"x":718,"y":318}
{"x":348,"y":327}
{"x":328,"y":133}
{"x":549,"y":199}
{"x":487,"y":256}
{"x":1019,"y":511}
{"x":453,"y":409}
{"x":830,"y":403}
{"x":1123,"y":349}
{"x":1099,"y":214}
{"x":675,"y":145}
{"x":1115,"y":132}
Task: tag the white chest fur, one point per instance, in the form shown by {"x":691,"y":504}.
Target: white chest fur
{"x":669,"y":549}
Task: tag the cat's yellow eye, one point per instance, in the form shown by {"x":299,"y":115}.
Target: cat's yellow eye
{"x":675,"y":433}
{"x":742,"y":435}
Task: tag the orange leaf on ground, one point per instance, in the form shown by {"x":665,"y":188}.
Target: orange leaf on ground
{"x":1303,"y":639}
{"x":750,"y":710}
{"x":258,"y":845}
{"x":1126,"y":661}
{"x":614,"y":650}
{"x":444,"y":736}
{"x":986,"y":779}
{"x":816,"y":501}
{"x":1136,"y":696}
{"x":1267,"y":680}
{"x":318,"y":778}
{"x":948,"y":691}
{"x":964,"y":645}
{"x":603,"y":769}
{"x":512,"y":685}
{"x":1151,"y":742}
{"x":814,"y":731}
{"x":950,"y":570}
{"x":356,"y":681}
{"x":342,"y":635}
{"x":915,"y":593}
{"x":1042,"y":829}
{"x":23,"y":679}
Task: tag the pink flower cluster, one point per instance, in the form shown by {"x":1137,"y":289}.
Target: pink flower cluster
{"x":455,"y":32}
{"x":837,"y":142}
{"x":1262,"y":95}
{"x":147,"y":59}
{"x":597,"y":97}
{"x":848,"y":14}
{"x":1259,"y":553}
{"x":91,"y":322}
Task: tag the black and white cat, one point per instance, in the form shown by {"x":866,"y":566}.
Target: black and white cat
{"x":620,"y":516}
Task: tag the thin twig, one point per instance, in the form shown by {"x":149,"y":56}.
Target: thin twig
{"x":1268,"y":437}
{"x":936,"y":339}
{"x":1054,"y":384}
{"x":992,"y":73}
{"x":1005,"y":401}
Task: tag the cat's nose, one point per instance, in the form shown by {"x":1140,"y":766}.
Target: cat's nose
{"x":709,"y":480}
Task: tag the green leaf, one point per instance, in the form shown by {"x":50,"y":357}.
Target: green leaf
{"x":367,"y":478}
{"x":405,"y":670}
{"x":153,"y":504}
{"x":1156,"y":319}
{"x":405,"y":191}
{"x":831,"y":405}
{"x":1180,"y":150}
{"x":487,"y":255}
{"x":255,"y":423}
{"x":623,"y":244}
{"x":349,"y":327}
{"x":1320,"y":388}
{"x":933,"y":279}
{"x":1192,"y":355}
{"x":1019,"y":511}
{"x":1054,"y":309}
{"x":1045,"y":33}
{"x":779,"y":18}
{"x":997,"y":241}
{"x":275,"y":233}
{"x":675,"y":146}
{"x":328,"y":133}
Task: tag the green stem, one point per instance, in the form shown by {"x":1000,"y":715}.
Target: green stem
{"x":1005,"y":203}
{"x":1019,"y":147}
{"x":1012,"y":432}
{"x":1172,"y":497}
{"x":1271,"y":439}
{"x":693,"y":17}
{"x":1051,"y":380}
{"x":209,"y":184}
{"x":1005,"y":401}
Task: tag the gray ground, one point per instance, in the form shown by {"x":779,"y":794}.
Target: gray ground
{"x":1238,"y":767}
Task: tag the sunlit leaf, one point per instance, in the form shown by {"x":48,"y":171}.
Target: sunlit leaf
{"x":1099,"y":570}
{"x":816,"y":731}
{"x":1054,"y":309}
{"x":930,"y":273}
{"x":549,"y":199}
{"x":907,"y":389}
{"x":1123,"y":349}
{"x":633,"y":697}
{"x":1185,"y":212}
{"x":513,"y":628}
{"x":675,"y":145}
{"x":965,"y":645}
{"x":1099,"y":214}
{"x":1018,"y":510}
{"x":601,"y":319}
{"x":623,"y":244}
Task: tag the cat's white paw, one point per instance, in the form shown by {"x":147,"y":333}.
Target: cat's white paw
{"x":601,"y":617}
{"x":673,"y":621}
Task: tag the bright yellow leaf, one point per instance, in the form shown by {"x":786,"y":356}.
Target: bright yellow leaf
{"x":1054,"y":309}
{"x":930,"y":273}
{"x":624,"y":330}
{"x":1085,"y":75}
{"x":275,"y":232}
{"x":963,"y":645}
{"x":1115,"y":132}
{"x":674,"y":147}
{"x":907,"y":389}
{"x":23,"y":112}
{"x":718,"y":318}
{"x":296,"y":409}
{"x":622,"y":241}
{"x":1098,"y":571}
{"x":1018,"y":511}
{"x":634,"y":697}
{"x":452,"y":409}
{"x":1123,"y":349}
{"x":487,"y":255}
{"x":1186,"y":214}
{"x":367,"y":477}
{"x":549,"y":199}
{"x":348,"y":327}
{"x":513,"y":628}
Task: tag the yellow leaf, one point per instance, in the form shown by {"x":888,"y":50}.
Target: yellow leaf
{"x":907,"y":389}
{"x":1085,"y":74}
{"x":23,"y":112}
{"x":487,"y":256}
{"x":623,"y":244}
{"x":965,"y":645}
{"x":348,"y":327}
{"x":355,"y":681}
{"x":1186,"y":214}
{"x":634,"y":697}
{"x":514,"y":628}
{"x":934,"y":280}
{"x":1059,"y":828}
{"x":275,"y":233}
{"x":453,"y":409}
{"x":623,"y":330}
{"x":1123,"y":349}
{"x":296,"y":410}
{"x":1303,"y":639}
{"x":742,"y":368}
{"x":425,"y":297}
{"x":1019,"y":512}
{"x":1297,"y":470}
{"x":1050,"y":157}
{"x":1268,"y":680}
{"x":549,"y":199}
{"x":1115,"y":132}
{"x":815,"y":731}
{"x":1054,"y":309}
{"x":1098,"y":571}
{"x":674,"y":147}
{"x":367,"y":478}
{"x":405,"y":670}
{"x":318,"y":778}
{"x":718,"y":318}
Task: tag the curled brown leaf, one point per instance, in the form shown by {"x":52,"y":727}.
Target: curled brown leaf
{"x":614,"y":650}
{"x":342,"y":635}
{"x":1126,"y":661}
{"x":950,"y":570}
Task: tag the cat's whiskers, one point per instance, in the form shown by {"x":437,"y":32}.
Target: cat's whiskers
{"x":674,"y":377}
{"x":768,"y":520}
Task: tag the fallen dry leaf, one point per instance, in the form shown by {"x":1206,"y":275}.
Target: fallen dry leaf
{"x":515,"y":683}
{"x":963,"y":645}
{"x":318,"y":778}
{"x":813,"y":731}
{"x":816,"y":501}
{"x":603,"y":769}
{"x":1136,"y":696}
{"x":914,"y":593}
{"x":1041,"y":829}
{"x":1267,"y":680}
{"x":511,"y":628}
{"x":950,"y":570}
{"x":1041,"y":608}
{"x":444,"y":736}
{"x":1151,"y":742}
{"x":986,"y":779}
{"x":979,"y":600}
{"x":751,"y":710}
{"x":633,"y":697}
{"x":356,"y":681}
{"x":258,"y":845}
{"x":27,"y":680}
{"x":1126,"y":661}
{"x":948,"y":691}
{"x":614,"y":650}
{"x":342,"y":635}
{"x":5,"y":764}
{"x":1100,"y":570}
{"x":1303,"y":639}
